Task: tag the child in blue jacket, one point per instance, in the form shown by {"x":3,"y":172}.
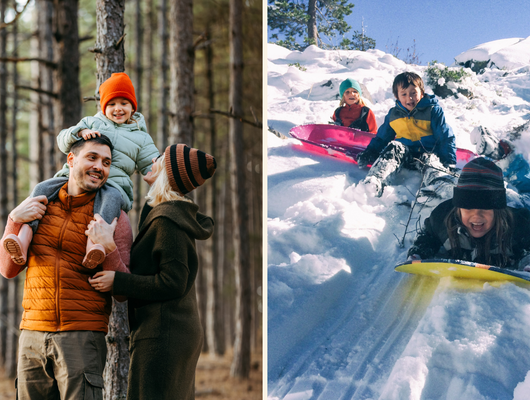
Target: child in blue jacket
{"x":415,"y":129}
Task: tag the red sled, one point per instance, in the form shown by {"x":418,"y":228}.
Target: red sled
{"x":345,"y":143}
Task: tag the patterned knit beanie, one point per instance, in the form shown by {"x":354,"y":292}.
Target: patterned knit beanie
{"x":187,"y":168}
{"x":349,"y":83}
{"x":118,"y":85}
{"x":480,"y":186}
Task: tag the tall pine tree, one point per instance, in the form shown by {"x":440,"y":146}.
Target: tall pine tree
{"x":321,"y":20}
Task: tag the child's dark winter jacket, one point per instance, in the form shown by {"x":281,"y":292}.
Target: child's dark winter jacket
{"x":423,"y":129}
{"x":356,"y":116}
{"x":433,"y":241}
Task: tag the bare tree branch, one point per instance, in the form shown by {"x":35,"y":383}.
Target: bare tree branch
{"x":24,"y":59}
{"x":51,"y":94}
{"x":17,"y":16}
{"x":257,"y":124}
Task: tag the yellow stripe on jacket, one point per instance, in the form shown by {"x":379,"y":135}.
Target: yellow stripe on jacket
{"x":411,"y":128}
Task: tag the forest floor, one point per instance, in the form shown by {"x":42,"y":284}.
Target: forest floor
{"x":212,"y":381}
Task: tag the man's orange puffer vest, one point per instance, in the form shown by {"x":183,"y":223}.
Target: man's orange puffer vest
{"x":57,"y":295}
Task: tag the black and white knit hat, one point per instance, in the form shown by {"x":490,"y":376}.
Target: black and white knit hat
{"x":480,"y":186}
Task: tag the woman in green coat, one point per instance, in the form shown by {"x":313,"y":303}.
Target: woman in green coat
{"x":166,"y":332}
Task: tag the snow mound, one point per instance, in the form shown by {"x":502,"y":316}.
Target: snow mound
{"x":504,"y":54}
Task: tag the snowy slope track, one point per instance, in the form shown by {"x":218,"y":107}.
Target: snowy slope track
{"x":342,"y":324}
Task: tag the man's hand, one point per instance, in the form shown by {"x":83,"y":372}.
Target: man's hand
{"x":88,"y":133}
{"x":30,"y":209}
{"x":102,"y":233}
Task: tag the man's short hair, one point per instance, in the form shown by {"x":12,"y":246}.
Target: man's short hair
{"x":406,"y":79}
{"x":103,"y":139}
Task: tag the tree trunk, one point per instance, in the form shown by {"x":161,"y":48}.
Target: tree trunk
{"x":312,"y":32}
{"x":182,"y":55}
{"x":150,"y":56}
{"x":36,"y":145}
{"x":47,"y":83}
{"x":13,"y":286}
{"x":3,"y":178}
{"x":68,"y":86}
{"x":163,"y":120}
{"x":110,"y":38}
{"x":241,"y":362}
{"x":214,"y":316}
{"x":109,"y":59}
{"x":138,"y":90}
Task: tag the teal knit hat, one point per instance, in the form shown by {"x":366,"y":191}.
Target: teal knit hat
{"x":349,"y":83}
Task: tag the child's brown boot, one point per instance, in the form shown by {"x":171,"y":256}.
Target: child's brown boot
{"x":17,"y":246}
{"x":95,"y":255}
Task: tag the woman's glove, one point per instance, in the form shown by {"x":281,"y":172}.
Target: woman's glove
{"x":413,"y":257}
{"x":366,"y":158}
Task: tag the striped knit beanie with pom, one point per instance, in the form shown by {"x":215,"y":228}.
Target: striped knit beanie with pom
{"x":187,"y":168}
{"x":480,"y":186}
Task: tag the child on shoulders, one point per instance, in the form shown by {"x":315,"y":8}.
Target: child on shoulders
{"x":352,"y":111}
{"x":414,"y":129}
{"x":133,"y":151}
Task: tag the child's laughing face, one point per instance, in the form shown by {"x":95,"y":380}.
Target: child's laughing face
{"x":477,"y":222}
{"x":351,"y":96}
{"x":119,"y":110}
{"x":409,"y":97}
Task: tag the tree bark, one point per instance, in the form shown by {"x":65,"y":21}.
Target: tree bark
{"x":13,"y":285}
{"x":47,"y":84}
{"x":182,"y":55}
{"x":138,"y":67}
{"x":163,"y":119}
{"x":214,"y":321}
{"x":3,"y":178}
{"x":241,"y":362}
{"x":110,"y":59}
{"x":68,"y":86}
{"x":36,"y":143}
{"x":312,"y":32}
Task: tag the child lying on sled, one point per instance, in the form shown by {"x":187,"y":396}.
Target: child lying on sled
{"x":476,"y":224}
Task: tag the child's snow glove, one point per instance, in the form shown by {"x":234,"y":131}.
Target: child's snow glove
{"x":366,"y":158}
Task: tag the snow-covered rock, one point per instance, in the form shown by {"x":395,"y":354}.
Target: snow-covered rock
{"x":506,"y":54}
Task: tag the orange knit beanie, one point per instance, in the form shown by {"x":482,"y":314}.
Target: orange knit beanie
{"x":118,"y":85}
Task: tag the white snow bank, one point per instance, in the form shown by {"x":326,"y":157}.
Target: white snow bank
{"x":505,"y":53}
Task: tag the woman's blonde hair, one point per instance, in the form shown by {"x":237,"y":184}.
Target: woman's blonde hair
{"x":343,"y":101}
{"x":160,"y":190}
{"x":501,"y":231}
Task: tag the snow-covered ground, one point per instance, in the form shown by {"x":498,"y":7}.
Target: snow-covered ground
{"x":342,"y":324}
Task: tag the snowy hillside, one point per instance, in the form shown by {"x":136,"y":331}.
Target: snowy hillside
{"x":341,"y":323}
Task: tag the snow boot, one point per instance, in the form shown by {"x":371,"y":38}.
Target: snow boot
{"x":95,"y":255}
{"x":373,"y":186}
{"x":488,"y":145}
{"x":17,"y":245}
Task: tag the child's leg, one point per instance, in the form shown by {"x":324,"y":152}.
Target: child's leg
{"x":17,"y":245}
{"x":387,"y":165}
{"x":95,"y":254}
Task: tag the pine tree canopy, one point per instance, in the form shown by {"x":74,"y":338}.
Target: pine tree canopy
{"x":290,"y":18}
